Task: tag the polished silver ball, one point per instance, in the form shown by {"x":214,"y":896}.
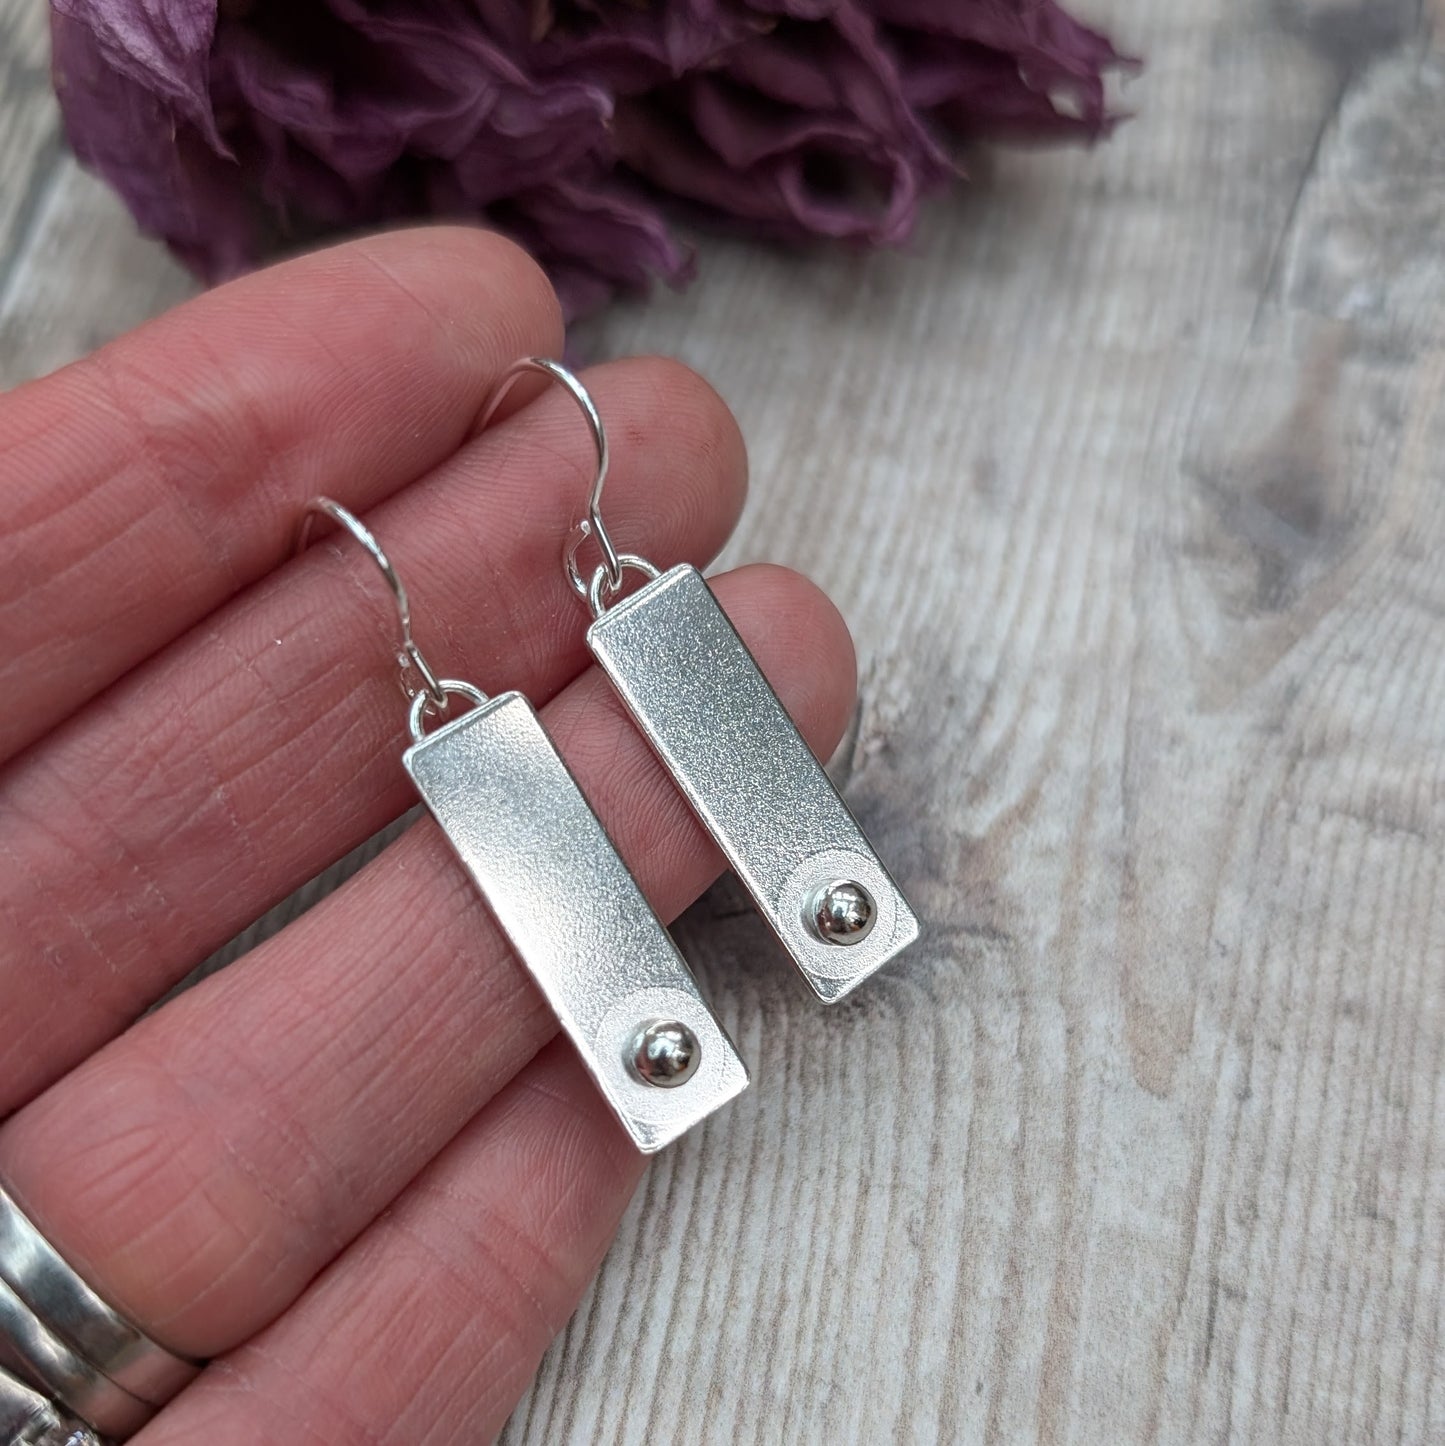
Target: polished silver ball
{"x":843,"y":912}
{"x":665,"y":1053}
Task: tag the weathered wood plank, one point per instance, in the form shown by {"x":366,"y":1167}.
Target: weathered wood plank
{"x":30,"y":145}
{"x":1144,"y":447}
{"x":1128,"y":478}
{"x":85,"y":275}
{"x":73,"y":270}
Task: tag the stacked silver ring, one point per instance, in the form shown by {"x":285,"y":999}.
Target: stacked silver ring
{"x":29,"y":1418}
{"x":64,"y":1351}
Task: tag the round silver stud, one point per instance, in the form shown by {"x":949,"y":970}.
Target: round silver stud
{"x":842,"y":912}
{"x":664,"y":1053}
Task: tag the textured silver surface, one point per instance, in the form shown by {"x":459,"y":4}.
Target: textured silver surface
{"x":31,"y":1351}
{"x":574,"y":914}
{"x":696,"y":692}
{"x":42,"y":1278}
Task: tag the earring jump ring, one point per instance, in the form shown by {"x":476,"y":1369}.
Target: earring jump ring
{"x":451,"y":687}
{"x":599,"y":589}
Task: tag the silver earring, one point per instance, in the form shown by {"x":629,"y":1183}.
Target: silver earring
{"x":516,"y":818}
{"x":698,"y":695}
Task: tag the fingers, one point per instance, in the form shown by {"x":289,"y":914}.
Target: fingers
{"x":238,"y":763}
{"x":149,"y":482}
{"x":203,"y":1168}
{"x":429,"y":1328}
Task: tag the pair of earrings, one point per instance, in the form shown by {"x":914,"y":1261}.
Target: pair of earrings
{"x":574,"y":914}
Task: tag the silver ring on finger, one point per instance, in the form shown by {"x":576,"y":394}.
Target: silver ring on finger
{"x":30,"y":1418}
{"x":59,"y":1337}
{"x":31,"y":1350}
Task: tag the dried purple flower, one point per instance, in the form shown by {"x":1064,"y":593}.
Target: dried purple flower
{"x":235,"y":129}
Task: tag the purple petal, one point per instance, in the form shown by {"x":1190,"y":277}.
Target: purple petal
{"x":977,"y":91}
{"x":807,"y":176}
{"x":999,"y":67}
{"x":287,"y":119}
{"x":595,"y":239}
{"x":431,"y":96}
{"x":163,"y":48}
{"x":168,"y":170}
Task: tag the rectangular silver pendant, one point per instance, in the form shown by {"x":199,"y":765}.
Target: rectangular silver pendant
{"x":573,"y":912}
{"x":696,"y":692}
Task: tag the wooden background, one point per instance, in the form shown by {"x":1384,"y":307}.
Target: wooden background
{"x":1130,"y":477}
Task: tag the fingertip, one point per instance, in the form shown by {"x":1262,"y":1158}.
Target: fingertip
{"x":657,"y":399}
{"x":565,"y":1135}
{"x":677,"y":478}
{"x":478,"y":283}
{"x":802,"y":644}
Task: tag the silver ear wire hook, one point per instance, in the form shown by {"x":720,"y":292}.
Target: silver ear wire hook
{"x":432,"y":689}
{"x":591,"y":525}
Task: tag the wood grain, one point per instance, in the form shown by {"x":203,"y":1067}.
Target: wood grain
{"x":1128,"y":476}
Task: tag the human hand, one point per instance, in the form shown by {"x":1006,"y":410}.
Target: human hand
{"x":355,"y":1168}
